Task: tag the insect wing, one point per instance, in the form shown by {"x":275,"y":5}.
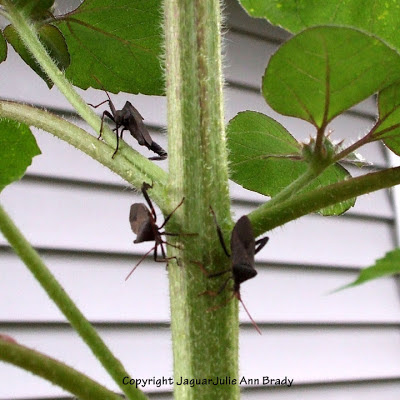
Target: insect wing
{"x":243,"y":242}
{"x":140,"y":219}
{"x":131,"y":110}
{"x":136,"y":126}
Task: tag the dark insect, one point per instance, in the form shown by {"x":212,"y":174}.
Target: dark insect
{"x":144,"y":223}
{"x":130,"y":120}
{"x":243,"y":249}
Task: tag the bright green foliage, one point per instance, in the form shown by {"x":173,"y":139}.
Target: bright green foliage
{"x":323,"y":71}
{"x":119,"y":42}
{"x":379,"y":17}
{"x":54,"y":41}
{"x":265,"y":158}
{"x":388,"y":125}
{"x":386,"y":266}
{"x":3,"y":47}
{"x":17,"y":148}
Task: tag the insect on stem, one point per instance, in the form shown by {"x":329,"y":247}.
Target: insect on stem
{"x":243,"y":248}
{"x":129,"y":119}
{"x":143,"y":221}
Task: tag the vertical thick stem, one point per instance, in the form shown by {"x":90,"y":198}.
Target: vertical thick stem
{"x":205,"y":344}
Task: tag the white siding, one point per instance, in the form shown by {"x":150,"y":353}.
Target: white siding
{"x":344,"y":345}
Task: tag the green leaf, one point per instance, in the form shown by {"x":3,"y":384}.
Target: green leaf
{"x":379,"y":17}
{"x":17,"y":148}
{"x":386,"y":266}
{"x":53,"y":40}
{"x":3,"y":47}
{"x":265,"y":158}
{"x":118,"y":42}
{"x":388,"y":125}
{"x":323,"y":71}
{"x":35,"y":9}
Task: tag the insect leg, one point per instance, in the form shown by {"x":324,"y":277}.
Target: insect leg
{"x":162,"y":251}
{"x":146,"y":186}
{"x":220,"y":305}
{"x":122,"y":132}
{"x":170,"y":215}
{"x":217,"y":293}
{"x":117,"y":136}
{"x":219,"y":273}
{"x":98,"y":105}
{"x":206,"y":273}
{"x":221,"y":237}
{"x":165,"y":258}
{"x":172,"y":245}
{"x":105,"y":113}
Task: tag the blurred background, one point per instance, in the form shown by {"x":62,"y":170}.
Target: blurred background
{"x":75,"y":212}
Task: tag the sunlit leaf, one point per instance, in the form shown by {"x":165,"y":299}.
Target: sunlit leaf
{"x":119,"y":42}
{"x":379,"y":17}
{"x":17,"y":148}
{"x":323,"y":71}
{"x":265,"y":158}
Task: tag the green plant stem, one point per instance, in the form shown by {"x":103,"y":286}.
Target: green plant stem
{"x":205,"y":344}
{"x":29,"y":36}
{"x":300,"y":183}
{"x":265,"y":218}
{"x":55,"y":291}
{"x":54,"y":371}
{"x":96,"y":149}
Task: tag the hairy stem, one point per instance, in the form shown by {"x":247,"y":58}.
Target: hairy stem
{"x":205,"y":344}
{"x":300,"y":183}
{"x":55,"y":291}
{"x":266,"y":218}
{"x":54,"y":371}
{"x":144,"y":170}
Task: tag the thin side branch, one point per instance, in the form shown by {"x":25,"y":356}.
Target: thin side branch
{"x":265,"y":218}
{"x":134,"y":173}
{"x":54,"y":371}
{"x":66,"y":305}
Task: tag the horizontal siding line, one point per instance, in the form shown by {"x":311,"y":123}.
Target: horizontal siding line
{"x":105,"y":186}
{"x":269,"y":325}
{"x":123,"y":256}
{"x":78,"y":183}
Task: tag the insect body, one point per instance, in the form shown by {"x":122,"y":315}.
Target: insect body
{"x":144,"y":223}
{"x":129,"y":119}
{"x":243,"y":249}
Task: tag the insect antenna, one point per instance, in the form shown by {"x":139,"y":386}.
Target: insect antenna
{"x":237,"y":295}
{"x":102,"y":86}
{"x":143,"y":257}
